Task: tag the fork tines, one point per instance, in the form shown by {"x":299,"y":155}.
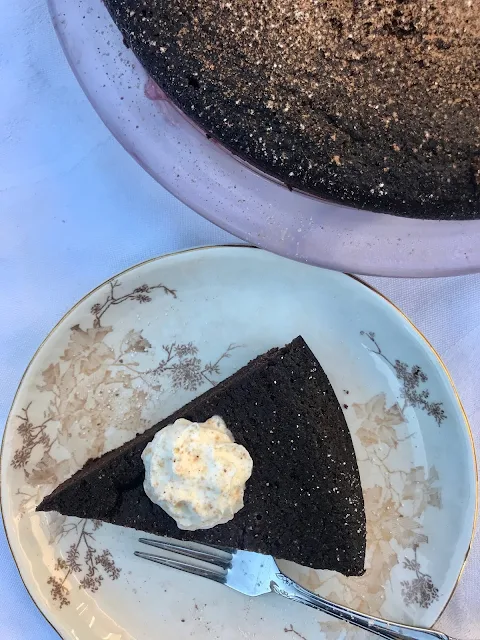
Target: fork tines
{"x":220,"y":559}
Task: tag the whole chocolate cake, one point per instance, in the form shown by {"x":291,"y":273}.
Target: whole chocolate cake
{"x":303,"y":501}
{"x":370,"y":103}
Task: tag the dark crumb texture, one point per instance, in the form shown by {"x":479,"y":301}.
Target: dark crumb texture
{"x":370,"y":103}
{"x":304,"y":499}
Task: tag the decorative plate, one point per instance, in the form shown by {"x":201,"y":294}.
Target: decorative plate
{"x":149,"y":340}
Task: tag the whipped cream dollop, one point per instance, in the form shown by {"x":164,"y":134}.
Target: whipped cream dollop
{"x":196,"y":472}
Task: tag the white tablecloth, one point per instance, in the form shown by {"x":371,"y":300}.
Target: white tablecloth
{"x":75,"y":209}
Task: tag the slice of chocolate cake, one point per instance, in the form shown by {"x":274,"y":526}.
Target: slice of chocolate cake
{"x":303,"y":501}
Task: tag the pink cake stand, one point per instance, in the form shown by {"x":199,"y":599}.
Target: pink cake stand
{"x":236,"y":197}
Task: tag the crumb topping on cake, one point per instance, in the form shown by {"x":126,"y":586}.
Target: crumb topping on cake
{"x":373,"y":103}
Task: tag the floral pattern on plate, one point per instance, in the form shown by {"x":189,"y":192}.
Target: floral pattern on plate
{"x":90,"y":387}
{"x":394,"y":513}
{"x":144,"y":344}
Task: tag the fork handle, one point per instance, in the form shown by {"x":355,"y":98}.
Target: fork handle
{"x":390,"y":630}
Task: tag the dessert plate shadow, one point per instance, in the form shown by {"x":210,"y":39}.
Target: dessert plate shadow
{"x":155,"y":336}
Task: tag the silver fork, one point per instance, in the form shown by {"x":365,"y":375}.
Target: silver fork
{"x":254,"y":574}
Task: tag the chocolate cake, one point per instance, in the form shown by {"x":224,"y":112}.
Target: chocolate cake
{"x":304,"y":499}
{"x":370,"y":103}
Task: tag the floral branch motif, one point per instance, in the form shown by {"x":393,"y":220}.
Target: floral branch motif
{"x":91,"y":566}
{"x":421,"y":590}
{"x":185,"y":369}
{"x":291,"y":629}
{"x":140,"y":294}
{"x":32,"y":436}
{"x":411,"y":378}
